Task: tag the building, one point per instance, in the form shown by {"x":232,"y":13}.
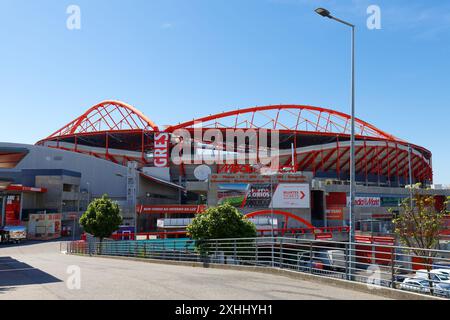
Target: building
{"x":285,"y":166}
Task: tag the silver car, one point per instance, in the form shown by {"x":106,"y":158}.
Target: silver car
{"x":423,"y":286}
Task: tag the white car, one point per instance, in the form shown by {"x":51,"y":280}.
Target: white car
{"x":423,"y":286}
{"x":437,"y":276}
{"x":443,"y":271}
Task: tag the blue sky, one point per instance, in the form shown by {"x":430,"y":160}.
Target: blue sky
{"x":179,"y":59}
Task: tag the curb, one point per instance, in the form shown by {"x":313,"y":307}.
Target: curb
{"x":345,"y":284}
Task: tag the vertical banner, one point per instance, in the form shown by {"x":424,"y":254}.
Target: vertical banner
{"x":336,"y":202}
{"x":132,"y":180}
{"x":161,"y":150}
{"x":12,"y":210}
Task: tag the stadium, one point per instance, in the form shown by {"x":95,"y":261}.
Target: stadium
{"x":114,"y":149}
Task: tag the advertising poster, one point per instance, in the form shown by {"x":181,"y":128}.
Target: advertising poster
{"x":242,"y":195}
{"x":12,"y":210}
{"x":292,"y":195}
{"x":44,"y":226}
{"x":335,"y":213}
{"x":232,"y":193}
{"x":258,"y":196}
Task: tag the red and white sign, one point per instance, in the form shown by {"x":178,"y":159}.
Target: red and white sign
{"x":335,"y":213}
{"x":292,"y":195}
{"x":161,"y":150}
{"x":171,"y":209}
{"x":366,"y":202}
{"x":324,"y":236}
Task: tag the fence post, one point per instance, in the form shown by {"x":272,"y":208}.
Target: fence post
{"x":273,"y":252}
{"x":310,"y":257}
{"x":393,"y":267}
{"x":346,"y":260}
{"x":235,"y":252}
{"x":281,"y":253}
{"x":174,"y":249}
{"x":217,"y":252}
{"x":257,"y":251}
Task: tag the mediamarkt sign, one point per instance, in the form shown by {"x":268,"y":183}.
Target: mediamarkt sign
{"x":161,"y":150}
{"x":365,"y":202}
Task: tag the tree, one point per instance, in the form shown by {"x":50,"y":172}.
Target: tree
{"x":222,"y":222}
{"x":101,"y":218}
{"x":418,"y":226}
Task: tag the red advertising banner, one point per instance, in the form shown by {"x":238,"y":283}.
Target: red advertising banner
{"x":335,"y":213}
{"x":324,"y":236}
{"x":336,"y":199}
{"x":12,"y":210}
{"x":161,"y":150}
{"x":156,"y":209}
{"x":336,"y":202}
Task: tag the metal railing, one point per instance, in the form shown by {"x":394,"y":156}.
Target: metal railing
{"x":376,"y":265}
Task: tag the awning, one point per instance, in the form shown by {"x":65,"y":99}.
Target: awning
{"x":21,"y":188}
{"x":161,"y":181}
{"x":10,"y":157}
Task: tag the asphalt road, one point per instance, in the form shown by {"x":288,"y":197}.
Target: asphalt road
{"x":39,"y":271}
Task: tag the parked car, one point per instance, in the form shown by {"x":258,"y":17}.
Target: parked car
{"x":331,"y":259}
{"x":14,"y":234}
{"x":305,"y":263}
{"x":325,"y":259}
{"x":435,"y":275}
{"x":400,"y":273}
{"x":423,"y":286}
{"x":443,"y":271}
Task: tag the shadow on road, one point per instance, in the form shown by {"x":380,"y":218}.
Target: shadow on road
{"x":16,"y":273}
{"x":33,"y":242}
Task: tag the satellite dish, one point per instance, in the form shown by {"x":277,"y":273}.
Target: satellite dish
{"x":202,"y":172}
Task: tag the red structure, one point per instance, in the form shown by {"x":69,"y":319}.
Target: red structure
{"x":319,"y":137}
{"x":111,"y":130}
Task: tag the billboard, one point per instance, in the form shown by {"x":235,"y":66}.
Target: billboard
{"x":292,"y":195}
{"x":44,"y":226}
{"x":258,"y":196}
{"x":232,"y":193}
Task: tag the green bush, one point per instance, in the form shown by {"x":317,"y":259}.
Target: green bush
{"x":222,"y":222}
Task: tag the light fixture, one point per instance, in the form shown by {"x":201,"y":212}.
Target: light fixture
{"x":323,"y":12}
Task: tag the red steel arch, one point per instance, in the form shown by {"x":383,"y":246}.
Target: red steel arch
{"x":287,"y":118}
{"x":107,"y":116}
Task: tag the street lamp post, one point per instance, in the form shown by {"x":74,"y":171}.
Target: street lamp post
{"x":325,"y":13}
{"x":271,"y":205}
